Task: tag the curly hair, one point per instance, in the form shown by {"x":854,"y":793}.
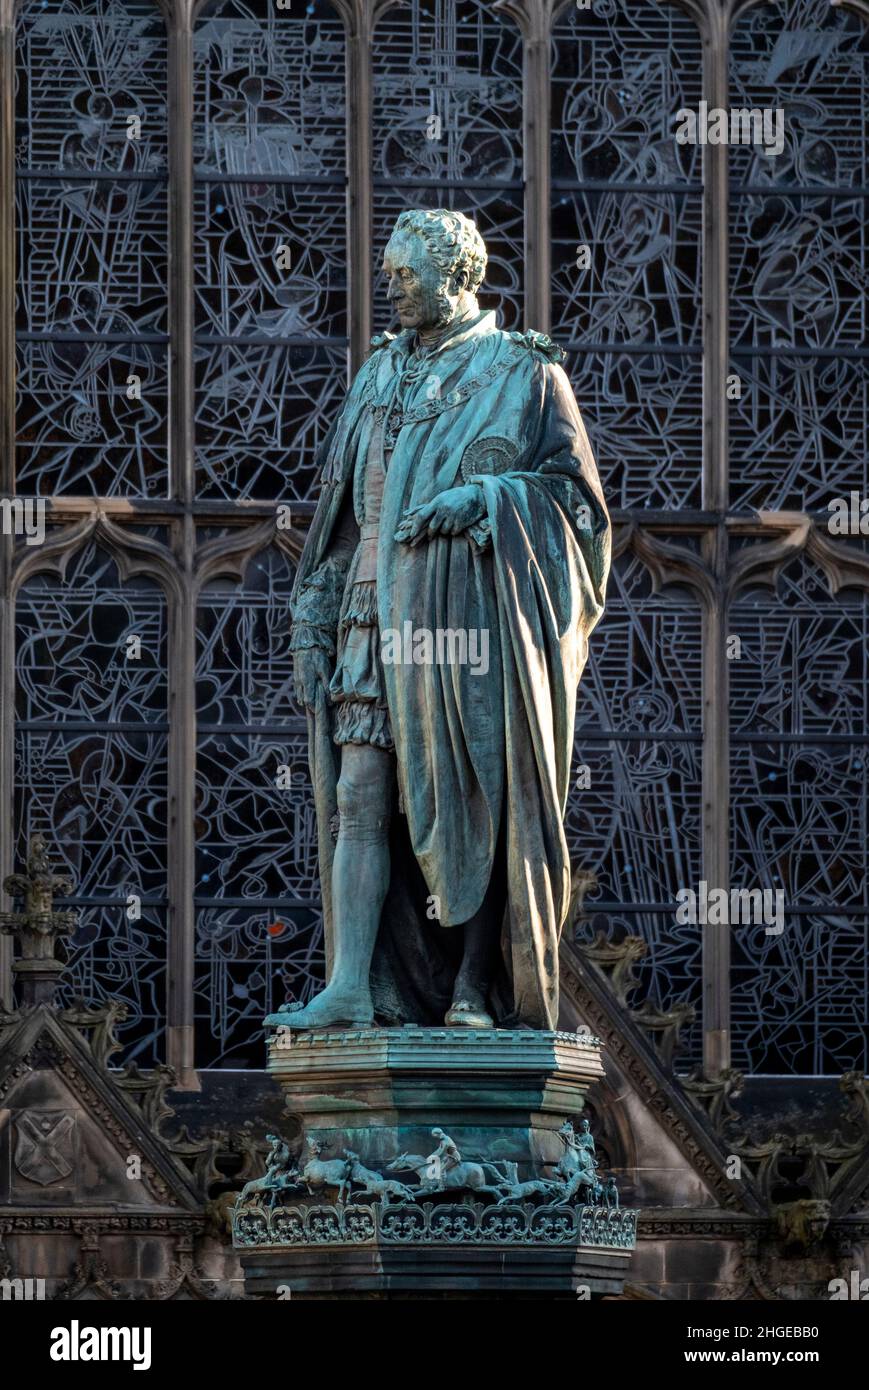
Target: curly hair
{"x":452,"y":241}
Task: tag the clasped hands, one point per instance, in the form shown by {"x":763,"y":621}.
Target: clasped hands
{"x":448,"y":514}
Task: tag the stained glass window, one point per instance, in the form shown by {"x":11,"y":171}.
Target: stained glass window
{"x":800,"y":824}
{"x":188,"y":303}
{"x":258,"y":927}
{"x":798,"y":266}
{"x":91,"y":186}
{"x":271,"y":244}
{"x":91,"y":746}
{"x":635,"y":807}
{"x":447,"y":117}
{"x":626,"y":244}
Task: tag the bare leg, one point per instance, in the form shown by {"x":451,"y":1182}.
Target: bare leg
{"x":360,"y":880}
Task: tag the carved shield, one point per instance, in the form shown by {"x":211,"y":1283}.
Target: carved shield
{"x":491,"y":454}
{"x":44,"y":1145}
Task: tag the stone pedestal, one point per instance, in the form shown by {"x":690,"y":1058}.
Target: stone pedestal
{"x":501,"y":1096}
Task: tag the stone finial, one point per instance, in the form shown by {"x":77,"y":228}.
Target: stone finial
{"x":39,"y":926}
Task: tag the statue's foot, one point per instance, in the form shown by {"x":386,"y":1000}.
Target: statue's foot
{"x":468,"y":1013}
{"x":352,"y":1008}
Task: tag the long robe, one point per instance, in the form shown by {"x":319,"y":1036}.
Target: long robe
{"x":483,"y":758}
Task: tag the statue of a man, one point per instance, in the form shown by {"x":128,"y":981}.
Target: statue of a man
{"x":582,"y":1143}
{"x":579,"y":1151}
{"x":456,"y":564}
{"x":446,"y":1155}
{"x":278,"y":1159}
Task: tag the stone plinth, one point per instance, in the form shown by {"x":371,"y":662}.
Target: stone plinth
{"x":501,"y":1097}
{"x":500,"y":1094}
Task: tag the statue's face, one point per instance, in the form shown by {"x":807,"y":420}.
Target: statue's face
{"x":422,"y":295}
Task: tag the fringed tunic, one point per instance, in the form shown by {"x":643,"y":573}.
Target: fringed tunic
{"x":358,"y":690}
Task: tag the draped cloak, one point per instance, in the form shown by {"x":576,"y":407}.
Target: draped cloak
{"x":483,"y":757}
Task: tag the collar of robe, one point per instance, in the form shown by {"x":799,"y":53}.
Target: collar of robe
{"x":453,"y":335}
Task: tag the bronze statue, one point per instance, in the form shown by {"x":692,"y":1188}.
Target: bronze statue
{"x":456,"y":564}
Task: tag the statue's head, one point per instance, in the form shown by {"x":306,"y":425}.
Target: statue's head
{"x":434,"y":264}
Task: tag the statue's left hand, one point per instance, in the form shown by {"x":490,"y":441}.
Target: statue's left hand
{"x":447,"y":514}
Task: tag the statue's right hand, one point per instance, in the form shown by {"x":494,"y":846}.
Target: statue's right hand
{"x":311,"y":669}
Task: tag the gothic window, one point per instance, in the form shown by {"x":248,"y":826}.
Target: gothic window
{"x":798,"y":693}
{"x":189,"y":273}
